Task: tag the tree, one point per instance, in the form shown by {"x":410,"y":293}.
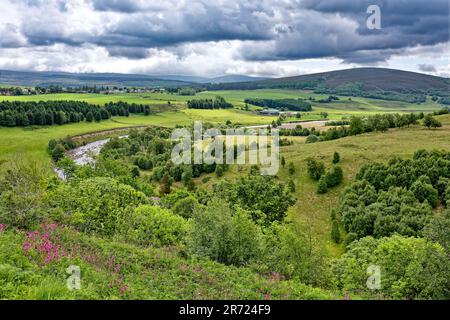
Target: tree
{"x":224,"y":235}
{"x":334,"y":177}
{"x":336,"y":158}
{"x":411,"y":268}
{"x":283,"y":161}
{"x":322,"y":186}
{"x":185,"y":207}
{"x":165,"y":185}
{"x":58,"y":152}
{"x":335,"y":232}
{"x":291,"y":168}
{"x":315,"y":169}
{"x":22,"y":193}
{"x":424,"y":190}
{"x":155,"y":226}
{"x":312,"y":138}
{"x":89,"y":117}
{"x":266,"y":199}
{"x":430,"y":122}
{"x":99,"y":205}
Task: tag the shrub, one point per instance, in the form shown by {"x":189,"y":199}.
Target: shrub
{"x":315,"y":169}
{"x":185,"y":207}
{"x":223,"y":235}
{"x":411,"y":268}
{"x":336,"y":158}
{"x":58,"y":152}
{"x":21,"y":193}
{"x":334,"y":177}
{"x":322,"y":186}
{"x":98,"y":205}
{"x":150,"y":225}
{"x":312,"y":138}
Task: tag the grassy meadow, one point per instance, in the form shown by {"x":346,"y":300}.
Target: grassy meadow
{"x":312,"y":209}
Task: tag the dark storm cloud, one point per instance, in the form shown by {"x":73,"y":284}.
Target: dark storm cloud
{"x":323,"y":30}
{"x":127,"y":6}
{"x":128,"y":52}
{"x":268,"y":29}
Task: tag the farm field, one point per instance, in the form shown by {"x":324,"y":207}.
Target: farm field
{"x":342,"y":108}
{"x":311,"y":210}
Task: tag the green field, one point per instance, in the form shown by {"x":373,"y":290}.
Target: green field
{"x":337,"y":110}
{"x":311,"y":210}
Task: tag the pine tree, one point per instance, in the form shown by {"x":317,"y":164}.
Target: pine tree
{"x":336,"y":158}
{"x":335,"y":232}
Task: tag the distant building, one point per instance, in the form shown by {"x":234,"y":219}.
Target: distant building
{"x":269,"y":112}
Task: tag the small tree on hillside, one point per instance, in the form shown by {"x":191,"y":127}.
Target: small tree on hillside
{"x":336,"y":158}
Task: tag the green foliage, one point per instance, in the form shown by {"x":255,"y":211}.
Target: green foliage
{"x":154,"y":226}
{"x":312,"y":138}
{"x":411,"y":268}
{"x":334,"y":177}
{"x":217,"y":103}
{"x":97,"y":205}
{"x":185,"y":207}
{"x":315,"y":168}
{"x":291,"y":168}
{"x":287,"y":104}
{"x":266,"y":199}
{"x":291,"y":185}
{"x":223,"y":235}
{"x":423,"y":191}
{"x":294,"y":254}
{"x":430,"y":122}
{"x":58,"y":152}
{"x":219,"y":171}
{"x":21,"y":193}
{"x":336,"y":158}
{"x":396,"y":197}
{"x":322,"y":187}
{"x":335,"y":232}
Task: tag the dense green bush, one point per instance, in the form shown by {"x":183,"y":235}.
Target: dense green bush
{"x":411,"y":268}
{"x":397,"y":197}
{"x":98,"y":205}
{"x":266,"y":199}
{"x":224,"y":235}
{"x":22,"y":189}
{"x":315,"y":168}
{"x":154,"y":226}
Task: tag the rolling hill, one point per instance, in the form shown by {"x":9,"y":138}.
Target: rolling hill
{"x":30,"y":78}
{"x":365,"y":79}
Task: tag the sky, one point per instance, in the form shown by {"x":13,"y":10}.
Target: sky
{"x":270,"y":38}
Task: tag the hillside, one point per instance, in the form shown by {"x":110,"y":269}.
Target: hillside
{"x":30,"y":78}
{"x":367,"y":79}
{"x":19,"y":78}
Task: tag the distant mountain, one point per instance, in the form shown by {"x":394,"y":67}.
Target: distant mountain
{"x":204,"y":80}
{"x":365,"y":79}
{"x":24,"y":78}
{"x":21,"y":78}
{"x":234,"y":78}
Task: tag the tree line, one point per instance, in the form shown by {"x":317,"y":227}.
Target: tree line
{"x":359,"y":125}
{"x":18,"y":113}
{"x":217,"y":103}
{"x":287,"y":104}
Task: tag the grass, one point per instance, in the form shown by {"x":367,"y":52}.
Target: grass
{"x":345,"y":107}
{"x":311,"y":208}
